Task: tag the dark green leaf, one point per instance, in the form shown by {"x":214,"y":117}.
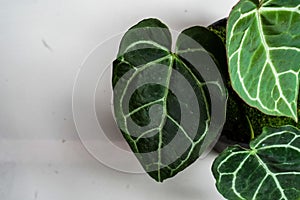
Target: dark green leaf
{"x":269,"y":170}
{"x":163,"y":100}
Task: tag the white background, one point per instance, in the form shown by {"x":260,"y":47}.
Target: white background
{"x":42,"y":45}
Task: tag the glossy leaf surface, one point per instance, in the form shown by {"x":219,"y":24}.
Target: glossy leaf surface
{"x":270,"y":169}
{"x":163,"y":100}
{"x":263,"y":46}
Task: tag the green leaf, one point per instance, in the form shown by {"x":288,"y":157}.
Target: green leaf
{"x":163,"y":101}
{"x":269,"y":170}
{"x":219,"y":28}
{"x":263,"y":47}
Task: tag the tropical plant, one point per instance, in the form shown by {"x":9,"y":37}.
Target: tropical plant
{"x":170,"y":105}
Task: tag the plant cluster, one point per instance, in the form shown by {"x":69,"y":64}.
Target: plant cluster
{"x":171,"y":105}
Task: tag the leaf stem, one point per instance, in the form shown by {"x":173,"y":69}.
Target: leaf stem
{"x":251,"y":128}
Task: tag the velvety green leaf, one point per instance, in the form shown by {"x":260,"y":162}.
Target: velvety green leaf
{"x":263,"y":47}
{"x":162,"y":101}
{"x":188,"y":48}
{"x":239,"y":114}
{"x":269,"y":170}
{"x":219,"y":28}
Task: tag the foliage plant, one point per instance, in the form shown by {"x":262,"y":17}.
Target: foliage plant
{"x":240,"y":74}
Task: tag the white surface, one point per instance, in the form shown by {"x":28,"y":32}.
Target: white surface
{"x":43,"y":44}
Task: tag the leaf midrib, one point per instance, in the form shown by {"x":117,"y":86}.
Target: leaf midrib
{"x":269,"y":61}
{"x":164,"y":114}
{"x":137,"y":70}
{"x":270,"y":173}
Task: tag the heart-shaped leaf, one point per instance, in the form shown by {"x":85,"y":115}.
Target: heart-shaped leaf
{"x":263,"y":46}
{"x":269,"y":170}
{"x":163,"y":101}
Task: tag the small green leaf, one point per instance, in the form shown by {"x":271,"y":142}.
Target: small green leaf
{"x":263,"y":47}
{"x":163,"y":100}
{"x":269,"y":170}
